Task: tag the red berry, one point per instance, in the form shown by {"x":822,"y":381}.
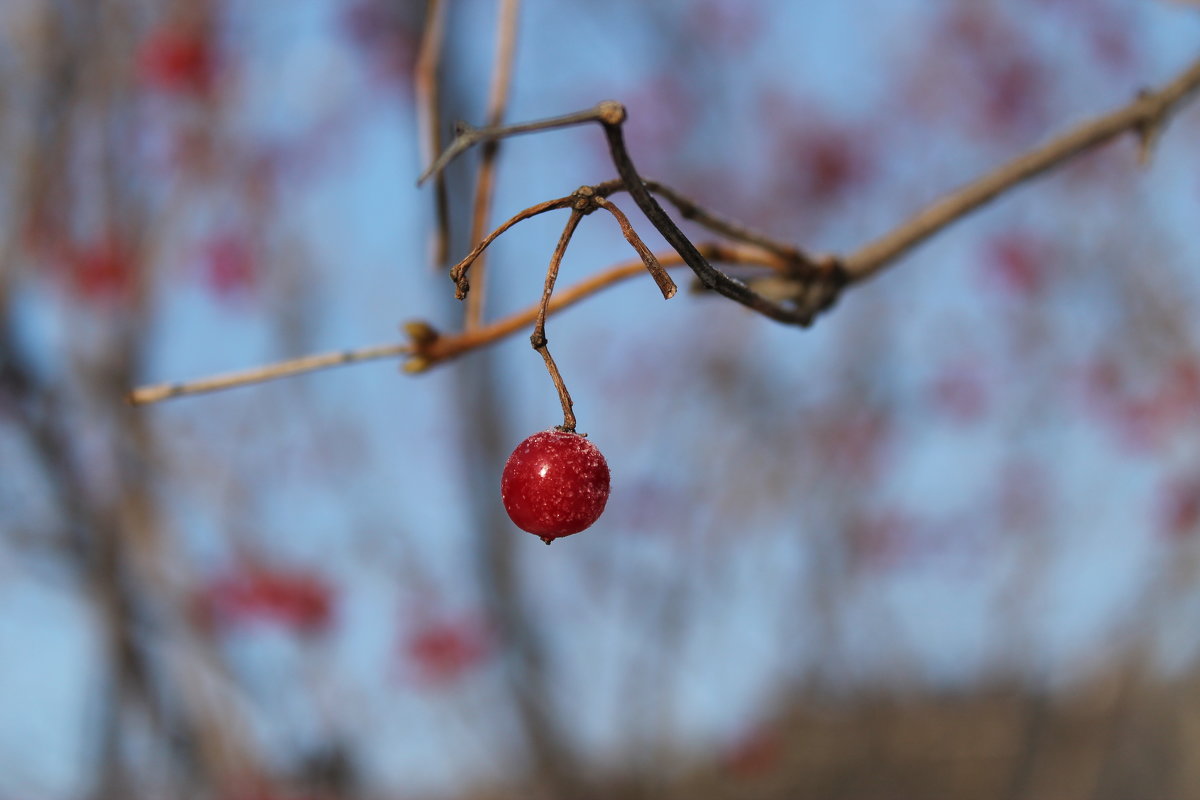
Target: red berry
{"x":554,"y":484}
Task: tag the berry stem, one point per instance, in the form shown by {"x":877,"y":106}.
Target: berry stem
{"x":563,"y":395}
{"x":538,"y":338}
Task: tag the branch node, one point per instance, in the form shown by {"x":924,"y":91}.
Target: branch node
{"x":416,"y":364}
{"x":610,"y":112}
{"x":420,"y":333}
{"x":584,"y":200}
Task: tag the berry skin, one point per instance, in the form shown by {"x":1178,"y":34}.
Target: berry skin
{"x":555,"y":484}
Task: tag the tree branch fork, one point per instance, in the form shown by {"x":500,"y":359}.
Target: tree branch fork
{"x":802,"y":286}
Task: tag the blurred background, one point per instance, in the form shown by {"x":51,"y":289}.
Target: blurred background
{"x":943,"y":545}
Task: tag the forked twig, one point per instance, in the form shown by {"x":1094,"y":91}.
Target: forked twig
{"x":611,"y":116}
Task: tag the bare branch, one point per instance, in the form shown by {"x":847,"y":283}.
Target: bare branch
{"x":690,"y":209}
{"x":1146,"y":115}
{"x":711,"y":277}
{"x":283,"y":369}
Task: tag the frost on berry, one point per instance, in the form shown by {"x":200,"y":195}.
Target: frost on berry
{"x":555,"y":484}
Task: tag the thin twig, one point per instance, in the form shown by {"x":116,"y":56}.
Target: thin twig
{"x":538,"y":338}
{"x":468,"y":137}
{"x":282,"y":369}
{"x":506,"y":39}
{"x":429,"y":348}
{"x":1146,"y":115}
{"x":427,"y":88}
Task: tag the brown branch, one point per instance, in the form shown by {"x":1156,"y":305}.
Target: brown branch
{"x":1146,"y":116}
{"x":506,"y":38}
{"x":428,"y":348}
{"x":283,"y":369}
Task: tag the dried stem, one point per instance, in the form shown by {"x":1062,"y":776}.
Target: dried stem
{"x":564,"y":396}
{"x":538,"y":338}
{"x":458,"y":273}
{"x":427,"y":88}
{"x":506,"y":39}
{"x":665,"y":284}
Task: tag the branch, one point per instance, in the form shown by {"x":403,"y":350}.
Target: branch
{"x":450,"y":346}
{"x":817,"y":296}
{"x":427,"y":88}
{"x":712,"y":278}
{"x":1145,"y":116}
{"x":689,"y":209}
{"x":428,"y":348}
{"x":283,"y":369}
